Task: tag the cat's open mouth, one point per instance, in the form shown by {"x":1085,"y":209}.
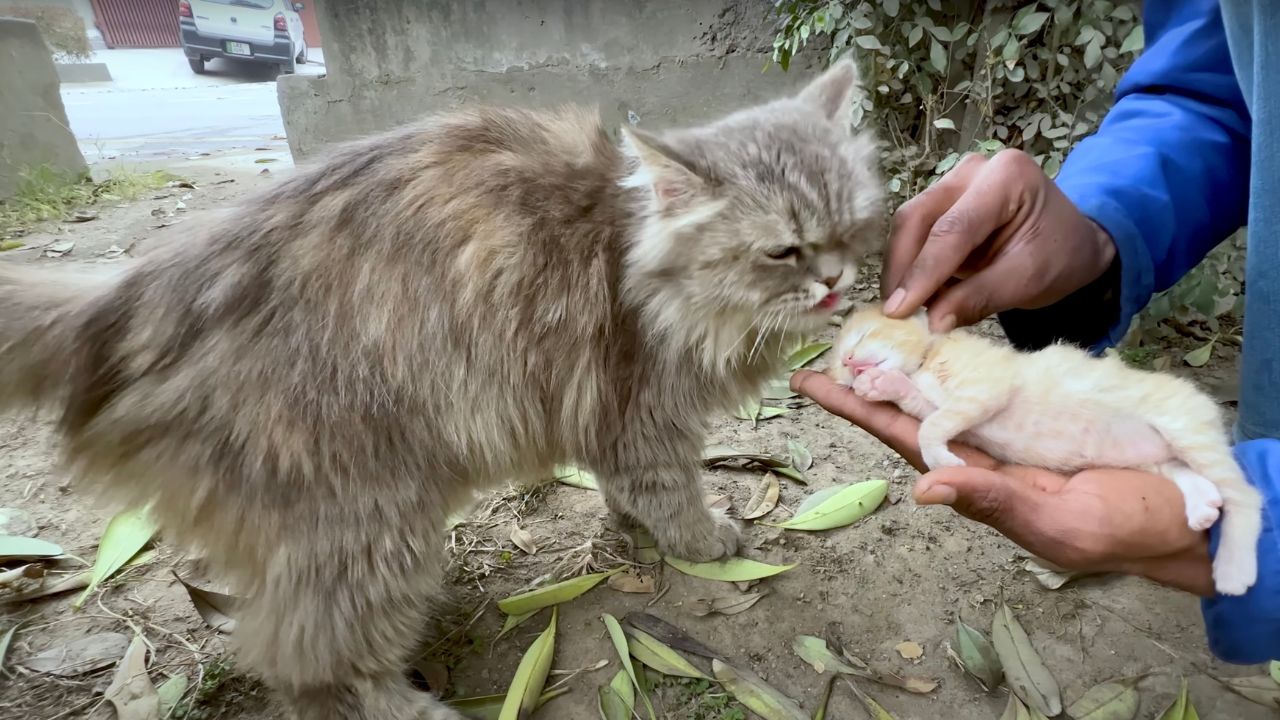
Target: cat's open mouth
{"x":859,"y":366}
{"x":828,"y":302}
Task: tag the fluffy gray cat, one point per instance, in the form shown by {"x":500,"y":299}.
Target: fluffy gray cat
{"x":305,"y":393}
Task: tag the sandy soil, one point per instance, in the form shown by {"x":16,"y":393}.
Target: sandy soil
{"x":904,"y":573}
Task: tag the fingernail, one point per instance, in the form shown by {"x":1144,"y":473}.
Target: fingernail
{"x":938,"y":495}
{"x":895,"y":301}
{"x":946,"y":324}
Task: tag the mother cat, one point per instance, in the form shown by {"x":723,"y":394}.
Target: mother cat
{"x":305,"y":393}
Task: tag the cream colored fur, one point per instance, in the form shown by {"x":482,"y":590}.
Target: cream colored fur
{"x":1062,"y":409}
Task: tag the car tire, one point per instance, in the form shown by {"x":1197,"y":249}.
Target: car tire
{"x":302,"y":56}
{"x":197,"y":65}
{"x":288,"y":68}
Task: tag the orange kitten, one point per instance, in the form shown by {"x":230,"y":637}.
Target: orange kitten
{"x":1062,"y":409}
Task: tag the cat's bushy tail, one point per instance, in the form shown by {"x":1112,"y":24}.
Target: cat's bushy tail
{"x":40,"y":313}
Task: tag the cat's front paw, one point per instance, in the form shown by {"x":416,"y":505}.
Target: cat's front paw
{"x":940,"y":457}
{"x":715,"y":535}
{"x":879,"y":385}
{"x":1234,"y":573}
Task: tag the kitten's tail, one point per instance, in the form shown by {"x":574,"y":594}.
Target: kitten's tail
{"x":40,"y":313}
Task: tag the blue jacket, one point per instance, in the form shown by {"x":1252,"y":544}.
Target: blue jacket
{"x":1169,"y":175}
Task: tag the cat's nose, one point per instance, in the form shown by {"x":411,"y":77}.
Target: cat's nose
{"x":830,"y":282}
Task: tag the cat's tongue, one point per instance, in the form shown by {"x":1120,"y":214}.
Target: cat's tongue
{"x":858,"y":366}
{"x":828,"y":302}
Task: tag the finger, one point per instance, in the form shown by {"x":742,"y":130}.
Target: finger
{"x":913,"y":220}
{"x":991,"y":290}
{"x":1017,"y":509}
{"x":986,"y":205}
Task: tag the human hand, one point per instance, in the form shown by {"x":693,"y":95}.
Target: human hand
{"x":991,"y":235}
{"x":1097,"y":520}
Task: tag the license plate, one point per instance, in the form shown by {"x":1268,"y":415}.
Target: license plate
{"x":239,"y":48}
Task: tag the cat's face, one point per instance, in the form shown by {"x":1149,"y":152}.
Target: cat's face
{"x":762,"y":218}
{"x":869,"y":339}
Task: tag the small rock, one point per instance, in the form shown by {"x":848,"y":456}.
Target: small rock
{"x":15,"y":521}
{"x":58,"y":249}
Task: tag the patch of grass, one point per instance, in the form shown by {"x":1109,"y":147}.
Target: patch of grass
{"x":699,"y":700}
{"x":1140,"y":357}
{"x":46,"y":194}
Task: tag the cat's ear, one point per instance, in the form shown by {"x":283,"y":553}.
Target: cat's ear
{"x":832,"y":92}
{"x":661,"y":168}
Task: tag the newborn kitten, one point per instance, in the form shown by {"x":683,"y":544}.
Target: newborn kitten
{"x":1062,"y":409}
{"x":307,"y":392}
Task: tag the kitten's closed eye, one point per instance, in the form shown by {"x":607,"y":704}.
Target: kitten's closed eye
{"x":783,"y":253}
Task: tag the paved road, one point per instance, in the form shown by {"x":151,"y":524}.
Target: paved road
{"x":156,"y":107}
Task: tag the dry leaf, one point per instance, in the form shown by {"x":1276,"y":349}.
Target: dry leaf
{"x":632,"y":582}
{"x":523,"y":539}
{"x":669,"y":634}
{"x":718,"y":502}
{"x":1024,"y":670}
{"x":801,"y":458}
{"x":727,"y":605}
{"x":909,"y":650}
{"x":764,"y":500}
{"x":131,"y":691}
{"x":1260,"y":689}
{"x":80,"y":656}
{"x":760,"y":697}
{"x":1050,"y":576}
{"x":217,"y":609}
{"x":1115,"y":700}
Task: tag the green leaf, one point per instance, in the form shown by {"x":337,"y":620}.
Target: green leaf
{"x":848,"y":505}
{"x":1115,"y":700}
{"x":1030,"y":23}
{"x":1274,"y":670}
{"x":525,"y":693}
{"x":944,"y":124}
{"x":1024,"y":671}
{"x":937,"y":56}
{"x":890,"y":7}
{"x":554,"y":594}
{"x":734,"y":569}
{"x":807,"y":354}
{"x":126,"y":534}
{"x":801,"y":458}
{"x":1200,"y":356}
{"x":868,"y":42}
{"x":622,"y":647}
{"x":1093,"y":53}
{"x":974,"y":653}
{"x":917,"y":34}
{"x":753,"y":692}
{"x":574,"y":477}
{"x":873,"y":708}
{"x":17,"y":547}
{"x":1181,"y":709}
{"x":514,"y":621}
{"x":1052,"y":165}
{"x":814,"y":651}
{"x":653,"y":653}
{"x":170,"y":693}
{"x":618,"y":698}
{"x":946,"y":163}
{"x":1134,"y":41}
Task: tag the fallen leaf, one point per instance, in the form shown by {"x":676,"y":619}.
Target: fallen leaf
{"x":909,"y":650}
{"x":553,"y":594}
{"x":525,"y":692}
{"x":124,"y":537}
{"x":622,"y":647}
{"x":80,"y":656}
{"x":217,"y":609}
{"x":618,"y":698}
{"x":1051,"y":577}
{"x":59,"y":584}
{"x":837,"y":507}
{"x":170,"y":693}
{"x":748,"y":411}
{"x":814,"y":651}
{"x":17,"y":547}
{"x":265,"y":160}
{"x":1260,"y":689}
{"x":58,"y":249}
{"x":807,"y":354}
{"x":523,"y":539}
{"x":769,"y":411}
{"x":1114,"y":700}
{"x":1015,"y":710}
{"x":631,"y":582}
{"x":975,"y":654}
{"x":718,"y":502}
{"x":11,"y":245}
{"x":733,"y":569}
{"x":489,"y":707}
{"x":1024,"y":671}
{"x":778,"y":389}
{"x":873,"y":708}
{"x":180,"y":206}
{"x":669,"y":634}
{"x":725,"y":605}
{"x":15,"y":521}
{"x":5,"y":641}
{"x":801,"y":458}
{"x":763,"y":500}
{"x":660,"y":656}
{"x":757,"y":695}
{"x":574,"y":477}
{"x":514,"y":621}
{"x":80,"y":216}
{"x":1200,"y":356}
{"x":112,"y":252}
{"x":1181,"y":709}
{"x":131,"y":691}
{"x":821,"y":714}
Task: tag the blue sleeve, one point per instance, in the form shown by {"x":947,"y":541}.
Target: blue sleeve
{"x":1167,"y":173}
{"x":1246,"y":629}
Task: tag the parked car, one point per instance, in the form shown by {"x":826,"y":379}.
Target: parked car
{"x":264,"y":31}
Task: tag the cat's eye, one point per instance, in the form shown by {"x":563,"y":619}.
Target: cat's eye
{"x":783,"y":253}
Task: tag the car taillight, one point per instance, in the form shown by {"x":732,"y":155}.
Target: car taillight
{"x":281,"y":25}
{"x":184,"y":8}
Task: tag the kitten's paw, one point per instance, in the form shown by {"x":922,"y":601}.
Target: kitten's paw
{"x":1234,"y":574}
{"x":940,"y":457}
{"x":717,"y":536}
{"x":879,"y":385}
{"x":1202,"y":516}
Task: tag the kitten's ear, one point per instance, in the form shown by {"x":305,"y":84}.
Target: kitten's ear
{"x":662,"y":168}
{"x":832,"y":92}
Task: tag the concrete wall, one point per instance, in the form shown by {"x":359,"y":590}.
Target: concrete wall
{"x":33,"y":122}
{"x":667,"y":62}
{"x":83,"y":8}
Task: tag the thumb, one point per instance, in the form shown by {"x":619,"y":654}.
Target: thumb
{"x":989,"y":497}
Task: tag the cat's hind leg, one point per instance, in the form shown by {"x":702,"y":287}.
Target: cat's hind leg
{"x":960,"y":414}
{"x":1203,"y":501}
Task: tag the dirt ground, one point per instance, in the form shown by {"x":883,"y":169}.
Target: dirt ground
{"x":904,"y":573}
